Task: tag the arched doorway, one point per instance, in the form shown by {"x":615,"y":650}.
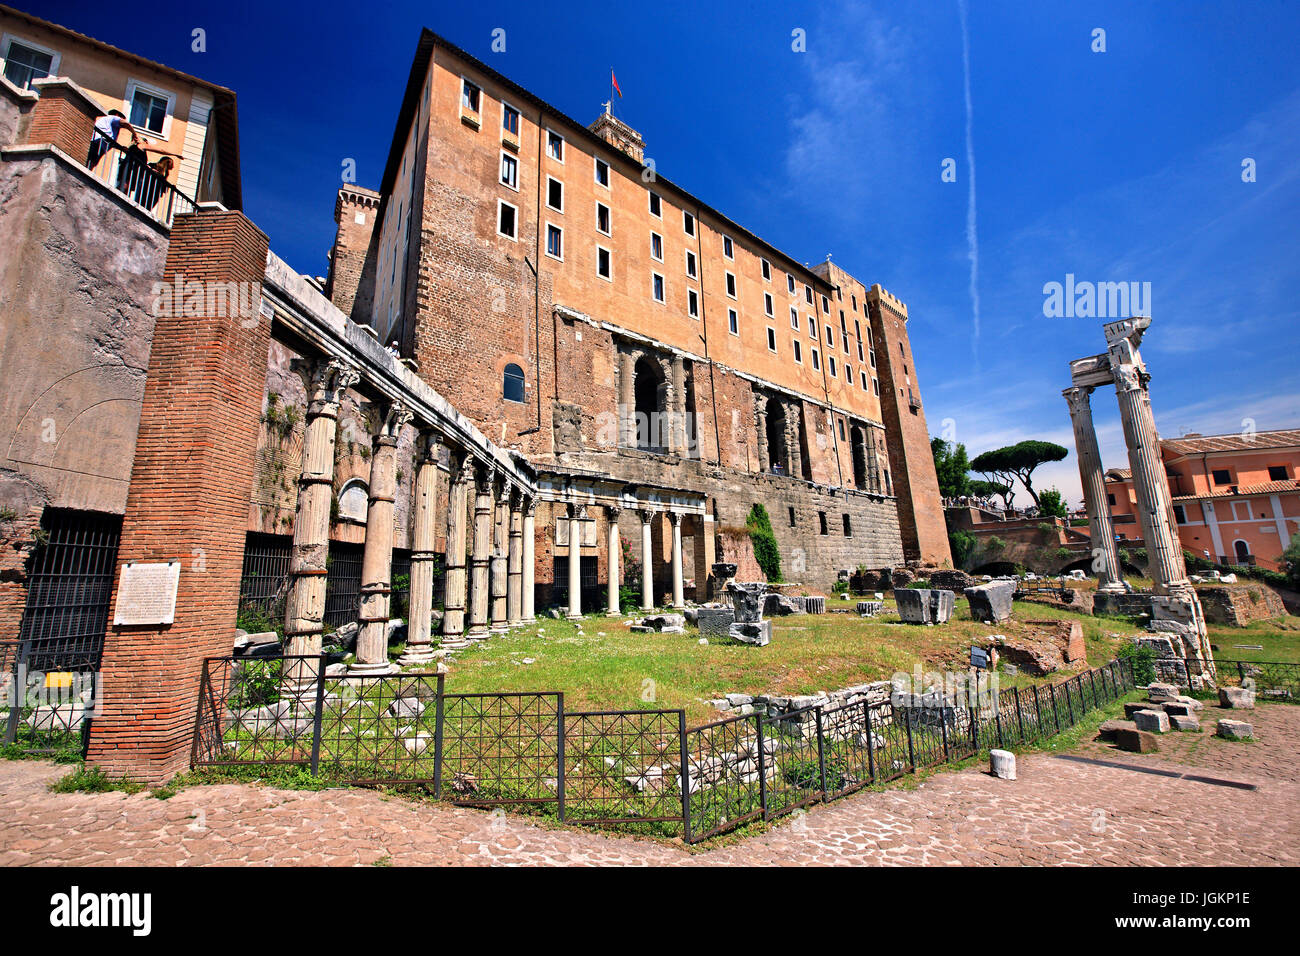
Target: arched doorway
{"x":1242,"y":551}
{"x":778,"y":460}
{"x":649,"y":389}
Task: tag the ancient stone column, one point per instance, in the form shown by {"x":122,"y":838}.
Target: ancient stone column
{"x":679,"y":595}
{"x":419,"y":639}
{"x":576,"y":514}
{"x":515,"y":561}
{"x":455,"y":580}
{"x":612,"y":513}
{"x":500,"y":563}
{"x":793,"y":456}
{"x":481,"y":555}
{"x":1100,"y":530}
{"x":377,"y":558}
{"x":647,"y":561}
{"x":304,"y":612}
{"x":529,"y":570}
{"x":760,"y":422}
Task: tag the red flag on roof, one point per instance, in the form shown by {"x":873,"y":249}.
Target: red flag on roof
{"x":614,"y":82}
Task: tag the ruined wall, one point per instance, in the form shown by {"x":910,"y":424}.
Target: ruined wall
{"x":77,"y":266}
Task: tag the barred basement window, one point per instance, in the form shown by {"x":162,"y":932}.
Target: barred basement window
{"x":848,"y":528}
{"x":792,"y":522}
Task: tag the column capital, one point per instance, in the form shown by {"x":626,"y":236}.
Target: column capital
{"x":1078,"y":397}
{"x":675,"y":518}
{"x":427,"y":444}
{"x":576,"y":511}
{"x":613,"y":511}
{"x":392,"y":416}
{"x":483,"y":477}
{"x":647,"y":515}
{"x":325,"y":379}
{"x":530,"y":506}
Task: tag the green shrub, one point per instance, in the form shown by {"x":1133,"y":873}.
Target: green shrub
{"x":1144,"y":661}
{"x":962,"y":544}
{"x":763,"y":539}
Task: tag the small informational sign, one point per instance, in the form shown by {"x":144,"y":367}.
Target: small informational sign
{"x":979,"y":658}
{"x":146,"y":593}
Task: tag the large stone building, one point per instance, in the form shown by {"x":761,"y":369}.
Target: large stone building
{"x":604,"y":322}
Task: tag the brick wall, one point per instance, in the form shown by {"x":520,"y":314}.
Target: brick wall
{"x":63,"y":117}
{"x":188,"y":500}
{"x":356,"y":211}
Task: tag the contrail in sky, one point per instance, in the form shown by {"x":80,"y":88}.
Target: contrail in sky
{"x":972,"y":237}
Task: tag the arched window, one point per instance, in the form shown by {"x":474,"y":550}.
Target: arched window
{"x":512,"y":386}
{"x":353,"y":500}
{"x":1242,"y":550}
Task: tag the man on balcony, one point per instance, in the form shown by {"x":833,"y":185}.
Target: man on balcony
{"x":107,"y":128}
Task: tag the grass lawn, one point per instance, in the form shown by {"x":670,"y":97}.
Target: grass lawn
{"x":1279,"y":638}
{"x":601,"y":665}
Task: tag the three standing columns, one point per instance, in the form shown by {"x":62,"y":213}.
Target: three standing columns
{"x":304,"y":613}
{"x":612,"y":513}
{"x":419,"y":639}
{"x":647,"y":561}
{"x":480,"y":556}
{"x":453,"y":616}
{"x":679,"y":596}
{"x":1100,"y":529}
{"x":377,"y":558}
{"x":576,"y":514}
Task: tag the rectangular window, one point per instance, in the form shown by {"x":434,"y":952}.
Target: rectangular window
{"x":555,"y":194}
{"x":555,"y":146}
{"x":604,"y":267}
{"x":848,"y":375}
{"x":792,"y":522}
{"x":767,"y":303}
{"x":727,"y":249}
{"x":1110,"y":500}
{"x":848,"y":528}
{"x":798,"y":352}
{"x":812,"y":326}
{"x":602,"y":218}
{"x":693,"y":303}
{"x":771,"y":339}
{"x":854,"y":300}
{"x":23,"y":64}
{"x":656,"y":247}
{"x":554,"y":242}
{"x":656,"y":205}
{"x":789,"y":284}
{"x":875,"y":386}
{"x":830,"y":337}
{"x":148,"y":111}
{"x":509,"y":171}
{"x":469,"y":96}
{"x":821,"y":521}
{"x":872,"y":356}
{"x":1222,"y":477}
{"x":1277,"y":473}
{"x":602,"y":173}
{"x":657,"y":286}
{"x":830,"y":364}
{"x":865,"y":386}
{"x":807,"y":293}
{"x":1180,"y":516}
{"x":817,"y":362}
{"x":733,"y":322}
{"x":860,"y":352}
{"x":509,"y":119}
{"x":731,"y":284}
{"x":690,"y":264}
{"x":767,"y":270}
{"x":794,"y":318}
{"x":688,"y":223}
{"x":826,"y":306}
{"x":507,"y":220}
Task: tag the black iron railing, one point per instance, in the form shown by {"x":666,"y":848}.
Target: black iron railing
{"x":130,"y":173}
{"x":642,"y":770}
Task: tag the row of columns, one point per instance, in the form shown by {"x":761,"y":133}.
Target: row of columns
{"x":577,"y":514}
{"x":494,"y":594}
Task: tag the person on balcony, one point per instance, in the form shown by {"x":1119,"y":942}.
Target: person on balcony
{"x":155,"y":181}
{"x":104,"y":137}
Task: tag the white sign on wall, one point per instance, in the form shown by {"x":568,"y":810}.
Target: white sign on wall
{"x":146,"y":593}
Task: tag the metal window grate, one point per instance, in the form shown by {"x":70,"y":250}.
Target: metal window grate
{"x":266,"y":569}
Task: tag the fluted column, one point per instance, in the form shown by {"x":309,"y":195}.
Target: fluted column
{"x":455,"y":580}
{"x":1100,"y":530}
{"x":576,"y":514}
{"x":679,"y":590}
{"x":612,"y":512}
{"x":304,"y":612}
{"x":377,"y":558}
{"x":529,"y":570}
{"x":515,"y":562}
{"x":793,"y":455}
{"x":480,"y":557}
{"x":424,"y":505}
{"x":500,"y":557}
{"x":647,"y":561}
{"x":760,"y":422}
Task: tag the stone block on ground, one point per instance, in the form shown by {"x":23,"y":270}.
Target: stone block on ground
{"x":1235,"y":730}
{"x":951,"y":580}
{"x":1002,"y":764}
{"x":815,"y":604}
{"x":758,"y":633}
{"x":913,"y":607}
{"x":1176,"y":708}
{"x":1136,"y":741}
{"x":747,"y":602}
{"x":1153,"y":721}
{"x":1110,"y":728}
{"x":1237,"y":698}
{"x":870,"y":608}
{"x":1184,"y":722}
{"x":1132,"y":708}
{"x":715,"y":622}
{"x":1159,"y":693}
{"x":990,"y":602}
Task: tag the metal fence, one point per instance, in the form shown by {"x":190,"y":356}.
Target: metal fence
{"x":641,"y":770}
{"x":129,"y":172}
{"x":1272,"y":680}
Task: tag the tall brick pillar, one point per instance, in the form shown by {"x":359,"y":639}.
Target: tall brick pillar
{"x":188,"y":500}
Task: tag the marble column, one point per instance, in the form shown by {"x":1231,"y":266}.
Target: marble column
{"x":576,"y":514}
{"x":793,"y":456}
{"x":480,"y":579}
{"x":679,"y":595}
{"x":529,"y":570}
{"x":760,"y":422}
{"x":515,"y":562}
{"x":501,"y":557}
{"x":377,"y":558}
{"x":647,"y":561}
{"x":455,"y":576}
{"x":304,"y":612}
{"x":424,"y":506}
{"x":1100,"y":530}
{"x":615,"y":554}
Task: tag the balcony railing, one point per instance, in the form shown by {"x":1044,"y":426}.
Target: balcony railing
{"x":126,"y":172}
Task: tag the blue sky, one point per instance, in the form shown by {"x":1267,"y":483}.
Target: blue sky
{"x":1123,"y":165}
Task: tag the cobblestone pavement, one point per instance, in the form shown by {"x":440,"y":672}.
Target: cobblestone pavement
{"x":1058,"y":812}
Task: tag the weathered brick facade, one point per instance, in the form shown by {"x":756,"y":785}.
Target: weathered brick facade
{"x":188,"y":500}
